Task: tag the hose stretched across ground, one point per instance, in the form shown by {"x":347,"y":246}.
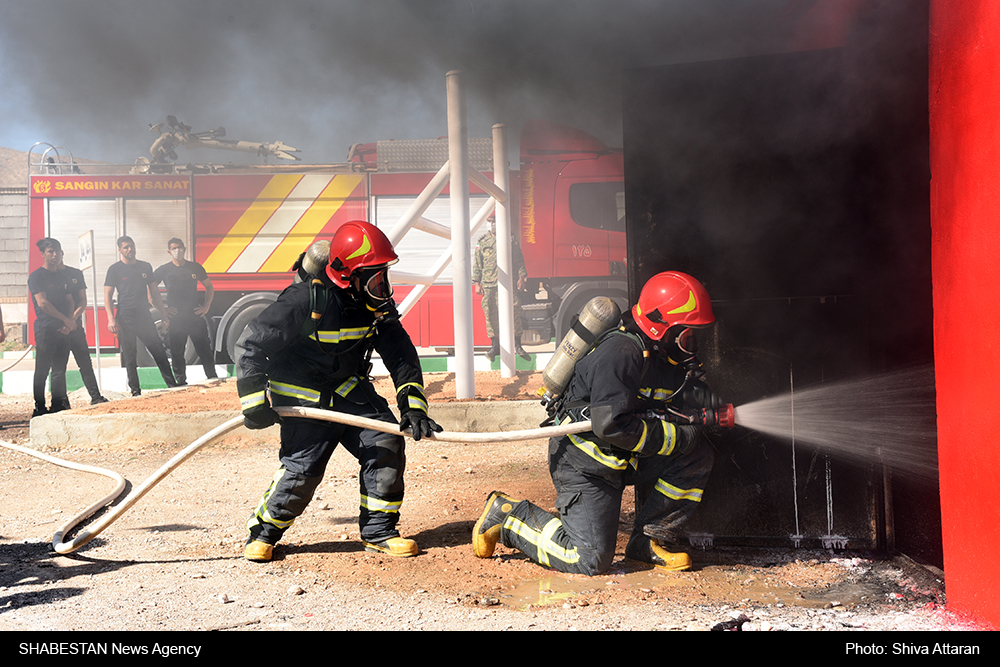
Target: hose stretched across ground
{"x":19,"y":359}
{"x":63,"y":547}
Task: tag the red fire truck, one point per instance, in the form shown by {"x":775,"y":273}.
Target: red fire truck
{"x":248,"y":223}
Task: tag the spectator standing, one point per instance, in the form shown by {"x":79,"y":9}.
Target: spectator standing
{"x":187,"y":315}
{"x":133,"y":280}
{"x":53,"y":304}
{"x":484,"y":281}
{"x":78,"y":337}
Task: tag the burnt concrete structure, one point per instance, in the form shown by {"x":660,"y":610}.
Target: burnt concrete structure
{"x":796,"y":187}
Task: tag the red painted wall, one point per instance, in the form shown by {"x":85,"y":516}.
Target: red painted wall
{"x":965,"y":221}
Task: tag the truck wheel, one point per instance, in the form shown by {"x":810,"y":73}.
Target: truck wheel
{"x":239,"y":324}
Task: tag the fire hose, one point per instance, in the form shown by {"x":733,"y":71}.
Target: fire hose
{"x":19,"y":359}
{"x":722,"y":417}
{"x":64,"y":547}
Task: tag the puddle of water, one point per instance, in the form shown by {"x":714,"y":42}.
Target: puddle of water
{"x":714,"y":582}
{"x":557,"y":588}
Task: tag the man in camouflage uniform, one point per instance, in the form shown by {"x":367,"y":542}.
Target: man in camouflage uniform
{"x":484,"y":281}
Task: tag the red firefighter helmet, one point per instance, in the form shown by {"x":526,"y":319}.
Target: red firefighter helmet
{"x":357,"y":245}
{"x":672,"y":298}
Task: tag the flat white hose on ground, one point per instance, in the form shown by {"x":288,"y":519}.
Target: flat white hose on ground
{"x":311,"y":413}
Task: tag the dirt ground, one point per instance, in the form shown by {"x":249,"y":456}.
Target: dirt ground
{"x":173,"y":562}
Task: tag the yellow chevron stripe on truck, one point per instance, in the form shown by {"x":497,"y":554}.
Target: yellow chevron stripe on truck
{"x":312,"y":222}
{"x":251,"y":222}
{"x":285,"y":217}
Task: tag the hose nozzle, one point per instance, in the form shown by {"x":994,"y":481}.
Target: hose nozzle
{"x":724,"y":416}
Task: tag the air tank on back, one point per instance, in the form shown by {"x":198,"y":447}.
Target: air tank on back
{"x":599,"y":315}
{"x":312,"y":262}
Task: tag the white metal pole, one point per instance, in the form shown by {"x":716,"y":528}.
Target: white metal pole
{"x":505,"y":279}
{"x":458,"y":150}
{"x":420,"y":205}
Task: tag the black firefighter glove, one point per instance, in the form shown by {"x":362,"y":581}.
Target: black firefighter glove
{"x":257,"y":412}
{"x":413,"y":412}
{"x":686,"y":438}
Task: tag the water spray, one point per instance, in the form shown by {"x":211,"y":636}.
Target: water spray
{"x":887,"y":418}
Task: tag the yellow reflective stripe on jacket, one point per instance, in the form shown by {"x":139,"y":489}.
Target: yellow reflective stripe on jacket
{"x":414,"y":401}
{"x":669,"y":439}
{"x":542,"y":541}
{"x":658,"y":394}
{"x":334,"y":337}
{"x":293,"y":391}
{"x":252,"y":400}
{"x":642,"y":438}
{"x":349,"y":384}
{"x":593,"y":451}
{"x":675,"y":493}
{"x":373,"y":504}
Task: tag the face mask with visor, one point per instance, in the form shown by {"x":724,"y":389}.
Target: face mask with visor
{"x":372,"y":284}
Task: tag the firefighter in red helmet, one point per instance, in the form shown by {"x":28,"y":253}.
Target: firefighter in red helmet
{"x":624,"y":386}
{"x":312,"y":348}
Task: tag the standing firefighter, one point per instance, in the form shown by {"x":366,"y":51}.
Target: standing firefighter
{"x":484,"y":280}
{"x":312,"y":348}
{"x":625,"y":386}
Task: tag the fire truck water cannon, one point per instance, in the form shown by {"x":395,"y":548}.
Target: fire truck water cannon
{"x":180,"y":134}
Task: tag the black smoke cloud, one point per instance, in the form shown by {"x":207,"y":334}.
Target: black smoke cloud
{"x":323,"y":75}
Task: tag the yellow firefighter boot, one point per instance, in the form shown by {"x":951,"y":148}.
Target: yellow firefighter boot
{"x":258,"y":552}
{"x":486,"y":532}
{"x":400,"y":547}
{"x":647,"y":550}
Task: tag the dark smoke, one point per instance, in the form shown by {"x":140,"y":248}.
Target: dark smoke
{"x":323,"y":75}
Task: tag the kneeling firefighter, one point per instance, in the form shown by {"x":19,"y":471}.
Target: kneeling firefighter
{"x":640,"y":385}
{"x":312,"y":348}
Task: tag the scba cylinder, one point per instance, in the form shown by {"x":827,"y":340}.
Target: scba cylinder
{"x":313,"y":261}
{"x":317,"y":257}
{"x":599,"y":315}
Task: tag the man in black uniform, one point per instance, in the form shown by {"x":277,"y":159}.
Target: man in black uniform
{"x":53,"y":304}
{"x":311,"y":348}
{"x":133,"y":279}
{"x":187,"y":316}
{"x":624,"y":386}
{"x":78,"y":337}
